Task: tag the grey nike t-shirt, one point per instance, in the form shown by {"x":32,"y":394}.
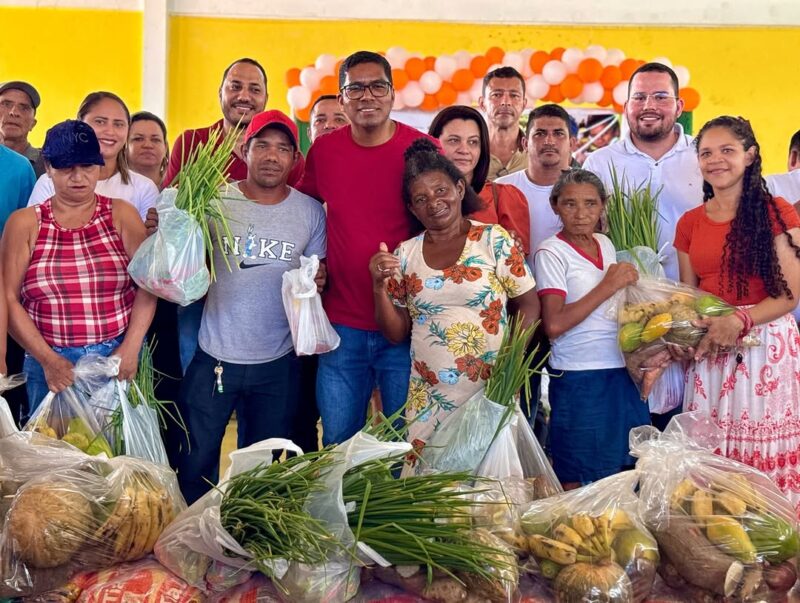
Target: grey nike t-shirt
{"x":244,"y":321}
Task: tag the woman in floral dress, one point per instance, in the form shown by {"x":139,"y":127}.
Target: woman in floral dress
{"x":743,"y":245}
{"x":448,"y":286}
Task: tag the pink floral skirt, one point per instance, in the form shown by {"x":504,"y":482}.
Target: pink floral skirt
{"x":756,"y":402}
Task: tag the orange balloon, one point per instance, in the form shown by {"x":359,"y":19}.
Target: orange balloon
{"x":617,"y":108}
{"x":627,"y":67}
{"x":557,"y":53}
{"x":447,"y":95}
{"x":495,"y":55}
{"x":430,"y":63}
{"x":590,"y":70}
{"x":303,"y":114}
{"x":329,"y":85}
{"x":293,"y":77}
{"x":571,"y":86}
{"x":429,"y":103}
{"x":612,"y":75}
{"x":608,"y":98}
{"x":415,"y":67}
{"x":479,"y":65}
{"x":691,"y":98}
{"x":399,"y":78}
{"x":538,"y":60}
{"x":463,"y":79}
{"x":555,"y":95}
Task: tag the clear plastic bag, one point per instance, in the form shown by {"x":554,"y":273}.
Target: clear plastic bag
{"x":312,"y":332}
{"x":655,"y":313}
{"x":721,"y":526}
{"x":140,"y":429}
{"x":7,"y":424}
{"x":591,"y":542}
{"x":171,"y":263}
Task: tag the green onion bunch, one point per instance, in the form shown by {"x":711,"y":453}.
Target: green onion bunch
{"x":632,"y":215}
{"x":199,"y":181}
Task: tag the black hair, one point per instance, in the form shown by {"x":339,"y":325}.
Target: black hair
{"x":549,"y":110}
{"x":749,"y":248}
{"x":502,"y":72}
{"x":448,"y":114}
{"x":577,"y":176}
{"x":87,"y":105}
{"x":147,"y":116}
{"x":249,"y":61}
{"x":655,"y":68}
{"x":423,"y":157}
{"x":361,"y":57}
{"x":794,"y":143}
{"x":324,"y":97}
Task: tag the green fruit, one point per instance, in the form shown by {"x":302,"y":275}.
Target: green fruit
{"x":78,"y":425}
{"x":775,"y":539}
{"x":99,"y":445}
{"x":80,"y":441}
{"x":631,"y":545}
{"x":630,"y":336}
{"x":549,"y":568}
{"x":711,"y":305}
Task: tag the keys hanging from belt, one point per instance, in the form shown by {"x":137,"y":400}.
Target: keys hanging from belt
{"x":218,"y":372}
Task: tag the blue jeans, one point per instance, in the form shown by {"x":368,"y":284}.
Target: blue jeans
{"x":189,"y":318}
{"x":347,"y":375}
{"x":36,"y":384}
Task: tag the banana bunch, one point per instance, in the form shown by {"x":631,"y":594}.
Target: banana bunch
{"x":141,"y":513}
{"x":643,"y":311}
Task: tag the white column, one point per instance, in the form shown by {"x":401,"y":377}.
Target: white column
{"x":155,"y":23}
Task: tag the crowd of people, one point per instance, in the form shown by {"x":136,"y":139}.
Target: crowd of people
{"x":430,"y":243}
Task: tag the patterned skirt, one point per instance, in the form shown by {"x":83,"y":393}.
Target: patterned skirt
{"x":756,"y":402}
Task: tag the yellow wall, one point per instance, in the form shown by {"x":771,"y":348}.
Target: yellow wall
{"x":67,"y":53}
{"x":744,"y":71}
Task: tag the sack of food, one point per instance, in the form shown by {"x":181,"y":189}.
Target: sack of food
{"x":312,"y":332}
{"x":7,"y":423}
{"x":656,"y":313}
{"x":721,"y":526}
{"x":591,"y":543}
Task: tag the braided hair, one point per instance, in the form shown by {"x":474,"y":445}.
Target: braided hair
{"x":749,"y":248}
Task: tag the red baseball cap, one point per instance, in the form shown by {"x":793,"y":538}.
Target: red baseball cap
{"x":274,"y":119}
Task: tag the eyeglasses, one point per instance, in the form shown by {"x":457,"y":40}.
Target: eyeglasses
{"x":23,"y":108}
{"x":659,"y":98}
{"x":378,"y":89}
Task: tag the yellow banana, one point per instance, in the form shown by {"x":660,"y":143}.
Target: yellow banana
{"x":547,"y":548}
{"x":682,"y":492}
{"x":702,"y":504}
{"x":582,"y":524}
{"x":563,"y":533}
{"x":729,"y":535}
{"x":730,"y":504}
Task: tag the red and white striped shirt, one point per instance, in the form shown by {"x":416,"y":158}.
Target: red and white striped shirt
{"x":77,"y":290}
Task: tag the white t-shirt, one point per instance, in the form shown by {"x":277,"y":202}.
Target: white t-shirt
{"x":677,"y":174}
{"x":139,"y":192}
{"x":562,"y":269}
{"x":785,"y":185}
{"x":544,"y":221}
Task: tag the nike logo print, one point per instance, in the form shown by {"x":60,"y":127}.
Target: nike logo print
{"x":243,"y":265}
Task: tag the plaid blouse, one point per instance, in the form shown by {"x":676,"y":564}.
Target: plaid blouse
{"x":77,"y":290}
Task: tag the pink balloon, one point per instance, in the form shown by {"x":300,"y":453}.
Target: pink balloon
{"x":554,"y":72}
{"x":413,"y":94}
{"x":430,"y":82}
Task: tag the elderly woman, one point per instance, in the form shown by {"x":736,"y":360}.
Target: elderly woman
{"x":148,"y":151}
{"x":743,"y":245}
{"x":594,"y":403}
{"x":65,"y":265}
{"x":462,"y":132}
{"x":448,"y":287}
{"x":109,"y":117}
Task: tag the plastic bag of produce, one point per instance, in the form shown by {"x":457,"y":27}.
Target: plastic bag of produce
{"x":141,"y":435}
{"x":721,"y":526}
{"x":592,"y":544}
{"x":312,"y":332}
{"x":656,"y":313}
{"x":171,"y":263}
{"x":7,"y":423}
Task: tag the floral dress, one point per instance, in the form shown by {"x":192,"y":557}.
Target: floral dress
{"x":458,"y":318}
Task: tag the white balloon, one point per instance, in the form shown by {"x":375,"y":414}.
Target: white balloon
{"x":595,"y":51}
{"x":430,"y":82}
{"x":620,"y":93}
{"x":593,"y":92}
{"x":614,"y":56}
{"x":298,"y":97}
{"x":683,"y":75}
{"x":663,"y":61}
{"x":464,"y":98}
{"x":554,"y":72}
{"x":577,"y":100}
{"x":513,"y":59}
{"x":445,"y":66}
{"x":463,"y":59}
{"x":526,"y":62}
{"x":397,"y":57}
{"x":398,"y":104}
{"x":310,"y":77}
{"x":571,"y":58}
{"x":537,"y":87}
{"x":326,"y":63}
{"x":412,"y":94}
{"x":476,"y":91}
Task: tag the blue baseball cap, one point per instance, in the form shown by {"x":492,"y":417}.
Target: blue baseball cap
{"x":71,"y":143}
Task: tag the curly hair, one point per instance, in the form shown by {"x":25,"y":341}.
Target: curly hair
{"x":749,"y":248}
{"x":423,"y":157}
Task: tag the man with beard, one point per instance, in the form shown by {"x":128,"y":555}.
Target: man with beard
{"x":502,"y":103}
{"x":655,"y":153}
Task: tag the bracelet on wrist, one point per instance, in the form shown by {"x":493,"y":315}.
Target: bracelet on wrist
{"x":747,"y":321}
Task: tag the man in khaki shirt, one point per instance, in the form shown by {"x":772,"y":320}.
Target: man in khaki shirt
{"x":502,"y":103}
